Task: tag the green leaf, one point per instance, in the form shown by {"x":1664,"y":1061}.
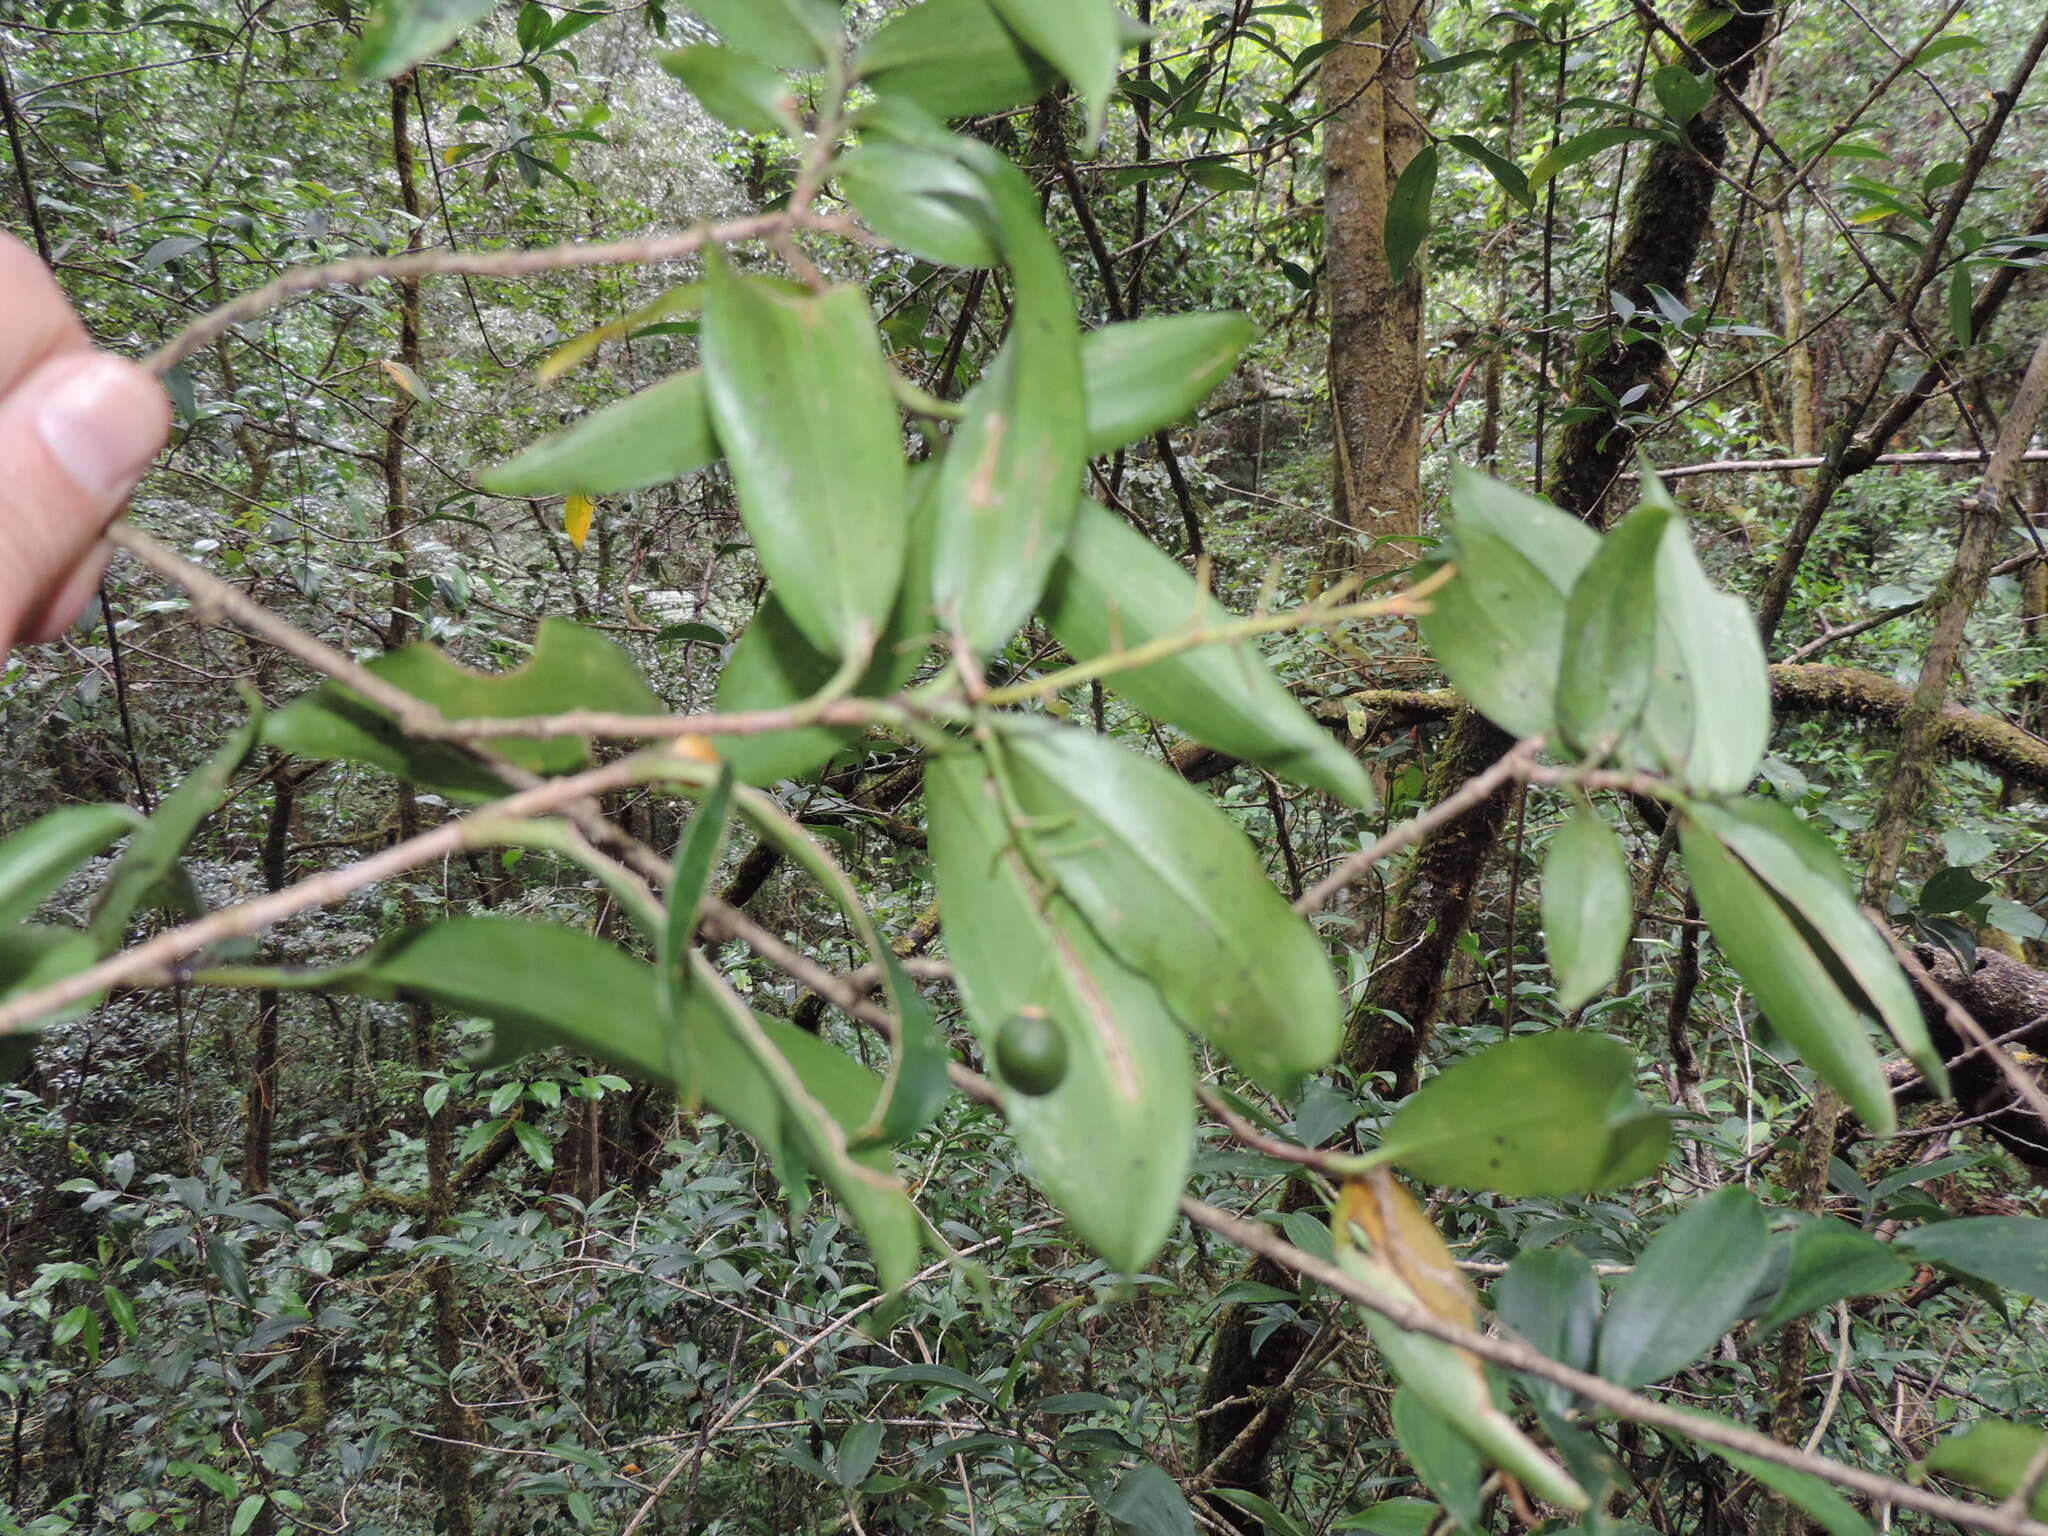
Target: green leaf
{"x":1392,"y":1517}
{"x":246,"y":1513}
{"x":1513,"y":180}
{"x":928,"y":204}
{"x":1584,"y":146}
{"x":1588,"y":906}
{"x":741,"y":92}
{"x":855,"y":1457}
{"x":1142,"y":375}
{"x":1708,"y":719}
{"x":1110,"y":1145}
{"x":153,"y":851}
{"x":789,"y":34}
{"x":1960,"y":322}
{"x":1497,"y":627}
{"x":660,"y":434}
{"x":954,"y":58}
{"x":43,"y":855}
{"x":1953,"y":889}
{"x":542,"y":984}
{"x":2007,"y":1251}
{"x":1114,"y":588}
{"x":1276,"y":1520}
{"x":1800,"y":866}
{"x":1009,"y":481}
{"x":212,"y":1478}
{"x":774,"y":666}
{"x":1992,"y":1456}
{"x":1550,"y":1297}
{"x":571,"y":668}
{"x":1408,"y":212}
{"x":1942,"y":47}
{"x":1081,"y":38}
{"x":1792,"y":984}
{"x":1829,"y":1261}
{"x":1682,"y":94}
{"x":1548,"y":1114}
{"x":801,"y":400}
{"x":1833,"y":1513}
{"x":402,"y":32}
{"x":1687,"y":1289}
{"x":120,"y":1309}
{"x":33,"y":956}
{"x":1610,"y":628}
{"x":1175,"y":890}
{"x":1149,"y":1503}
{"x":1448,"y":1464}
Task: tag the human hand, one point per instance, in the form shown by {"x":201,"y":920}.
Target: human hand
{"x":77,"y":429}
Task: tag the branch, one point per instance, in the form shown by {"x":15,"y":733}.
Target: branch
{"x":1515,"y":1355}
{"x":1766,"y":466}
{"x":359,"y":270}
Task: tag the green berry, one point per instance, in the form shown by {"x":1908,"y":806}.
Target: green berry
{"x":1031,"y":1053}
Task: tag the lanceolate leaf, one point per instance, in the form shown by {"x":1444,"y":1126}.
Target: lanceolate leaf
{"x":543,"y":984}
{"x":1173,"y":887}
{"x":2007,"y":1251}
{"x":1010,"y":477}
{"x":571,"y":668}
{"x":1798,"y":863}
{"x":1110,"y":1144}
{"x":1795,"y":988}
{"x":1551,"y":1298}
{"x":1448,"y":1464}
{"x":1141,"y":375}
{"x":43,"y":854}
{"x":660,"y":434}
{"x":1610,"y":627}
{"x":1588,"y":906}
{"x":696,"y":861}
{"x":1549,"y":1114}
{"x":1708,"y":719}
{"x":153,"y":850}
{"x":1408,"y":212}
{"x":1584,"y":146}
{"x":801,"y":401}
{"x":1114,"y":589}
{"x":1687,"y":1289}
{"x":1081,"y":37}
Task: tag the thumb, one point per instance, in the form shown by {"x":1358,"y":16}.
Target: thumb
{"x":75,"y":436}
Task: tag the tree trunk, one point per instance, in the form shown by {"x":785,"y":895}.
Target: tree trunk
{"x":1375,"y":358}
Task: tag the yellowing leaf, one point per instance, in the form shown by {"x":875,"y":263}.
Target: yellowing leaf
{"x":406,"y":379}
{"x":1402,"y":1234}
{"x":576,"y":515}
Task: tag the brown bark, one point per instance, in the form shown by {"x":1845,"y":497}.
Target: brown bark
{"x":1668,"y":212}
{"x":1375,"y":358}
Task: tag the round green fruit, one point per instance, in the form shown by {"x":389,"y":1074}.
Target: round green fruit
{"x":1031,"y":1053}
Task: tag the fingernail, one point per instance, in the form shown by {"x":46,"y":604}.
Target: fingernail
{"x":103,"y":422}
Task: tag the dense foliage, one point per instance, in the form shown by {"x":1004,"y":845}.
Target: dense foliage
{"x":983,"y":765}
